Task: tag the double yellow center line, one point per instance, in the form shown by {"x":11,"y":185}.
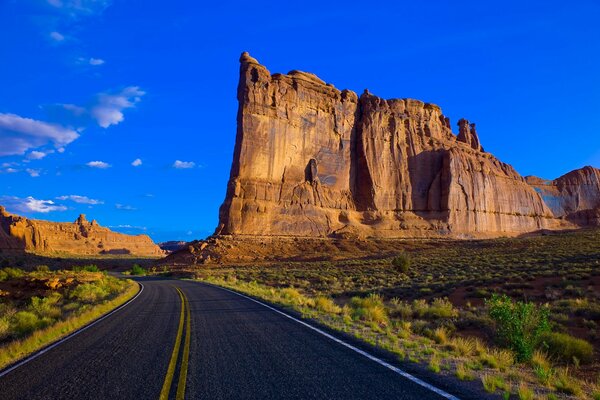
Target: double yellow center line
{"x":184,"y":317}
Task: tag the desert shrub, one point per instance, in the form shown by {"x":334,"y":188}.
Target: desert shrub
{"x":441,"y":308}
{"x":567,"y":348}
{"x":564,"y":383}
{"x":369,"y":309}
{"x":327,"y":305}
{"x":4,"y":327}
{"x":524,"y":392}
{"x":46,"y":306}
{"x":86,"y":268}
{"x":519,"y":325}
{"x":463,"y":373}
{"x":137,"y":270}
{"x":25,"y":322}
{"x":42,"y":268}
{"x":401,"y":262}
{"x":88,"y":293}
{"x":11,"y":273}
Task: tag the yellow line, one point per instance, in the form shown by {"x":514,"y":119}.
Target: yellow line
{"x":164,"y":393}
{"x":186,"y":353}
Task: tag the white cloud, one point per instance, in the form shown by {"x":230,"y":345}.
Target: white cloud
{"x":124,"y":207}
{"x":109,"y":109}
{"x":76,"y":8}
{"x":11,"y":170}
{"x":80,"y":199}
{"x":36,"y":155}
{"x":18,"y":134}
{"x":34,"y":173}
{"x":30,"y":204}
{"x":61,"y":149}
{"x":183,"y":164}
{"x":57,"y":37}
{"x":96,"y":61}
{"x":137,"y":162}
{"x":76,"y":110}
{"x":98,"y":164}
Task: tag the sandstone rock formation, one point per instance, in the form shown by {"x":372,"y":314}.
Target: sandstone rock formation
{"x":574,"y":196}
{"x":78,"y":238}
{"x":313,"y":161}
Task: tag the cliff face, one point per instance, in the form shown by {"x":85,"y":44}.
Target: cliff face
{"x":574,"y":196}
{"x":78,"y":238}
{"x":311,"y":160}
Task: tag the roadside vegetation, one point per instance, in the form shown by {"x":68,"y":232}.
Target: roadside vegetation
{"x":41,"y":306}
{"x":518,"y":315}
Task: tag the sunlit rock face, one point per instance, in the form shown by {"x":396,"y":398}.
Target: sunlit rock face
{"x":78,"y":238}
{"x":311,"y":160}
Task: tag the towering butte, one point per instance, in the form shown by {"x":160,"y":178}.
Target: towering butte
{"x":313,"y":161}
{"x":19,"y":234}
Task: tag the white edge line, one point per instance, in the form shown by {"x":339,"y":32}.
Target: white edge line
{"x":353,"y":348}
{"x":69,"y":336}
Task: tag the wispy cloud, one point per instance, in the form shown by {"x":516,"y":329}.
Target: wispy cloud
{"x":34,"y":173}
{"x":78,"y":8}
{"x":98,"y":164}
{"x":29,"y":205}
{"x":96,"y":61}
{"x":178,"y":164}
{"x":124,"y":207}
{"x":109,"y":108}
{"x":137,"y":162}
{"x":80,"y":199}
{"x":19,"y":134}
{"x":57,"y":36}
{"x":36,"y":155}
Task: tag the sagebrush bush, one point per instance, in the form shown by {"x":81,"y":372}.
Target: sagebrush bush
{"x":401,"y":262}
{"x":88,"y":293}
{"x":11,"y":273}
{"x":519,"y":325}
{"x":137,"y":270}
{"x":568,"y":348}
{"x":85,"y":268}
{"x":25,"y":322}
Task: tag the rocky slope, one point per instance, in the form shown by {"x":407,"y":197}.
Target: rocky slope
{"x":574,"y":196}
{"x":78,"y":238}
{"x":313,"y":161}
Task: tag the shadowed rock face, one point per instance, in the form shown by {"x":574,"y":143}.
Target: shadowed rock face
{"x":78,"y":238}
{"x":311,"y":160}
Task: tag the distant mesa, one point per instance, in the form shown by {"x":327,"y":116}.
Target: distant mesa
{"x":81,"y":237}
{"x":313,"y":161}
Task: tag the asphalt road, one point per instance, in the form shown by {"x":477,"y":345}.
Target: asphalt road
{"x":238,"y":349}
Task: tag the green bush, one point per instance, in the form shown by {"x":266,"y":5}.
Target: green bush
{"x":401,"y":262}
{"x":11,"y":273}
{"x":137,"y":270}
{"x":46,"y":306}
{"x":568,"y":348}
{"x":519,"y":325}
{"x":25,"y":322}
{"x":86,"y":268}
{"x":88,"y":293}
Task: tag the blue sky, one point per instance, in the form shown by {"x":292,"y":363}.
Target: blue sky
{"x":89,"y":87}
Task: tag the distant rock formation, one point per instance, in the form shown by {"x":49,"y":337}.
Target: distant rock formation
{"x":313,"y":161}
{"x":574,"y":196}
{"x":78,"y":238}
{"x":172,"y":245}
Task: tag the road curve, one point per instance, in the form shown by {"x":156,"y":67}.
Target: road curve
{"x":238,"y":349}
